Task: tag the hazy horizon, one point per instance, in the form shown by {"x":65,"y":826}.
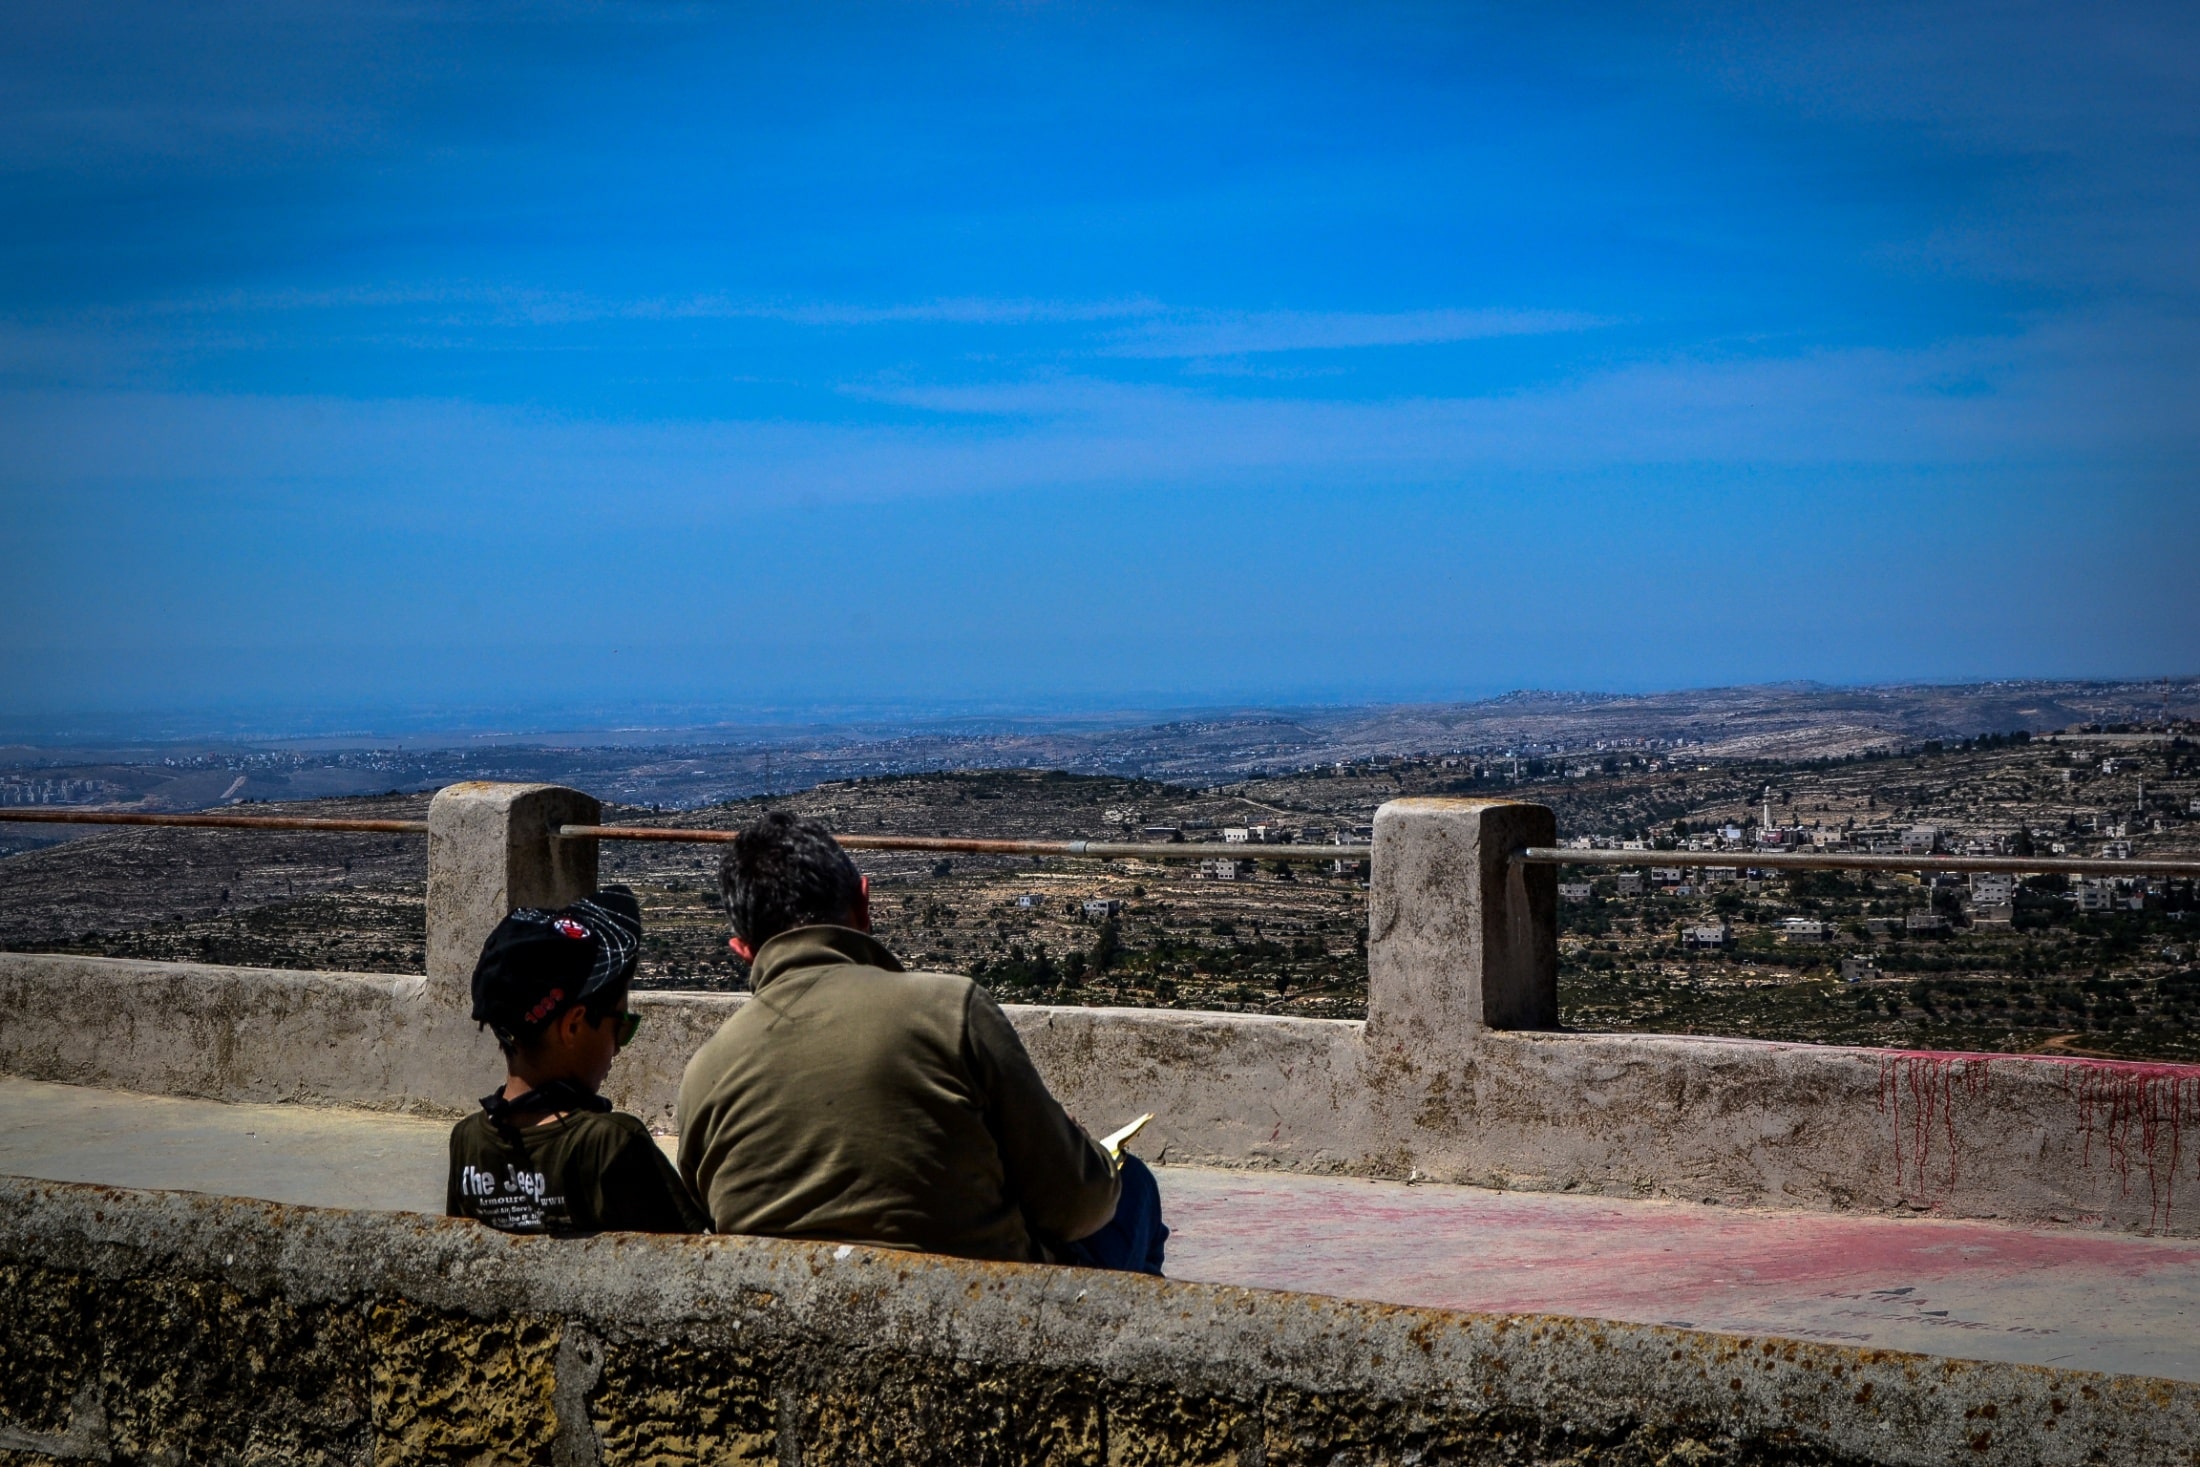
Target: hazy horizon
{"x":672,"y":724}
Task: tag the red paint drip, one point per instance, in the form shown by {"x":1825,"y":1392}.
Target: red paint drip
{"x":1930,"y":1080}
{"x":2119,"y":1097}
{"x":2137,"y":1110}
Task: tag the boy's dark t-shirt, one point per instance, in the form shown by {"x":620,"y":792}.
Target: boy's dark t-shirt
{"x":590,"y":1172}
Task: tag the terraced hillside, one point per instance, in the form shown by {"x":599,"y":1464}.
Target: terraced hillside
{"x":2123,"y":978}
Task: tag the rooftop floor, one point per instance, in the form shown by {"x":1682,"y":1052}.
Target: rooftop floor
{"x":2070,"y":1298}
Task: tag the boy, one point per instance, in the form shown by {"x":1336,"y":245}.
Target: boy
{"x":546,"y":1153}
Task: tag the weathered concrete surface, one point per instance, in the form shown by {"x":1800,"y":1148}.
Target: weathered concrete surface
{"x":224,"y":1033}
{"x":1226,"y":1089}
{"x":2015,"y":1136}
{"x":1458,"y":936}
{"x":370,"y":1040}
{"x":1741,"y":1121}
{"x":1736,"y":1121}
{"x":490,"y":850}
{"x":1964,"y":1290}
{"x":306,"y":1155}
{"x":381,"y":1042}
{"x":168,"y":1327}
{"x":1978,"y":1291}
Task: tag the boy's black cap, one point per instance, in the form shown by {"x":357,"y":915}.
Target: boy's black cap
{"x":536,"y":962}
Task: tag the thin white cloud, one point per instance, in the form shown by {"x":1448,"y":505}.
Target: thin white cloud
{"x":2047,"y":402}
{"x":962,"y":310}
{"x":453,"y":302}
{"x":1143,"y":327}
{"x":510,"y":303}
{"x":1227,"y":334}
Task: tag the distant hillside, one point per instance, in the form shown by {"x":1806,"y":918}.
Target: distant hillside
{"x":689,"y":768}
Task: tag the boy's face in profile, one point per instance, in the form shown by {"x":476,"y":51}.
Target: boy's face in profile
{"x":574,"y":1048}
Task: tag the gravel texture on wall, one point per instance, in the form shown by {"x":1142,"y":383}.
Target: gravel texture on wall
{"x":170,"y":1327}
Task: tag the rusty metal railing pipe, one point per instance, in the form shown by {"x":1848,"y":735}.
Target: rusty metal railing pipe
{"x":15,"y":815}
{"x":1096,"y":849}
{"x":1861,"y":861}
{"x":1105,"y":850}
{"x":1166,"y":850}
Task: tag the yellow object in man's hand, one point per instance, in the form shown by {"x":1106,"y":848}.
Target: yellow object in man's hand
{"x":1114,"y":1140}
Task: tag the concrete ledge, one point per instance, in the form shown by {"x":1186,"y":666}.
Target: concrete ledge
{"x":2033,"y":1138}
{"x":381,"y":1042}
{"x":1226,"y":1089}
{"x":2095,"y":1143}
{"x":364,"y":1039}
{"x":169,"y":1327}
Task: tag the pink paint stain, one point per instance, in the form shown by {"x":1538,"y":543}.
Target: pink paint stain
{"x":2138,"y":1110}
{"x":1468,"y":1248}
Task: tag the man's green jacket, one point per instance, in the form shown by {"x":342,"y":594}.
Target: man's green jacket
{"x":852,"y":1101}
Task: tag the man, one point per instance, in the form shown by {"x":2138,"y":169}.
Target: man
{"x":852,"y":1101}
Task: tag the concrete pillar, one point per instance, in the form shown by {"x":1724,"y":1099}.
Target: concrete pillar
{"x":490,"y":850}
{"x":1459,"y":937}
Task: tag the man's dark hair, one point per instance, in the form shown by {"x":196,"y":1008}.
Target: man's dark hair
{"x":782,"y":873}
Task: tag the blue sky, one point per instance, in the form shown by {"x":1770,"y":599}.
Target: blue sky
{"x":540,"y":356}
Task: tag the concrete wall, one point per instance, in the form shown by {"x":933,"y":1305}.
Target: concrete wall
{"x":254,"y":1034}
{"x":1732,"y":1121}
{"x":163,"y":1327}
{"x":1462,"y":941}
